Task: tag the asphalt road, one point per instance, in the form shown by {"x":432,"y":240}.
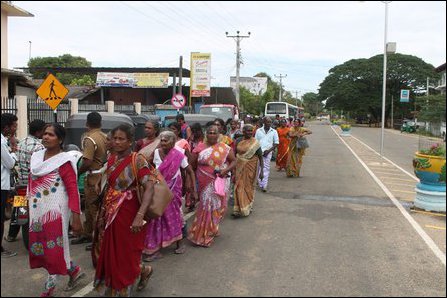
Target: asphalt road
{"x":332,"y":232}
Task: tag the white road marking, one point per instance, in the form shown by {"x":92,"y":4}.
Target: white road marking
{"x":403,"y":170}
{"x":430,"y":243}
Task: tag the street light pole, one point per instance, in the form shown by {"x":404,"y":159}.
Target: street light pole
{"x":29,"y":56}
{"x":384,"y":78}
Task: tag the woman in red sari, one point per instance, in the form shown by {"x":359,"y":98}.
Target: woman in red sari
{"x":119,"y":262}
{"x":283,"y":147}
{"x":214,"y":159}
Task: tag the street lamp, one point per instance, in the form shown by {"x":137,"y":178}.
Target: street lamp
{"x":29,"y":56}
{"x":384,"y":76}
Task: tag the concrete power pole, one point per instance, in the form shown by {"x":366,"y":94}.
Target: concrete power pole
{"x":238,"y":38}
{"x":280,"y":85}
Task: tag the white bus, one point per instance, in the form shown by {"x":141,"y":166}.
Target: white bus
{"x":283,"y":109}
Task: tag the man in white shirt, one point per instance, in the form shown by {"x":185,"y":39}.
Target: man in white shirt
{"x":9,"y":127}
{"x":269,"y":140}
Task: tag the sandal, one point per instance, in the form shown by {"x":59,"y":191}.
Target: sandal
{"x":153,"y":257}
{"x":144,"y":280}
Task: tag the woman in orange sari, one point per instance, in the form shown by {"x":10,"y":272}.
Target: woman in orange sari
{"x":295,"y":159}
{"x":214,"y":160}
{"x":283,"y":147}
{"x":248,"y":152}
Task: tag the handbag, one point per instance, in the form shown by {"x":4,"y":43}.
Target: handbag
{"x":162,"y":195}
{"x":302,"y":143}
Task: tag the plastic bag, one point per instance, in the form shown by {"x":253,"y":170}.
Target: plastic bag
{"x":219,"y":186}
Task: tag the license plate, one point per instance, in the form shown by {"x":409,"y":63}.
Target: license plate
{"x":20,"y":201}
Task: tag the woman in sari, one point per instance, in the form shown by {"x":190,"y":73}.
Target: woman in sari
{"x":53,"y":193}
{"x":214,"y":159}
{"x":119,"y":261}
{"x":283,"y":147}
{"x":223,"y":138}
{"x":248,"y":152}
{"x":147,"y":145}
{"x":167,"y":229}
{"x":295,"y":158}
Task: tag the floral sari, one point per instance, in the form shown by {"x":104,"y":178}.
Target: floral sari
{"x":52,"y":193}
{"x":211,"y":207}
{"x":295,"y":158}
{"x":247,"y":162}
{"x":283,"y":148}
{"x":118,"y":264}
{"x":167,"y":229}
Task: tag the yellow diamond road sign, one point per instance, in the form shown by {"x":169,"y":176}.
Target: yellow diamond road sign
{"x":52,"y":91}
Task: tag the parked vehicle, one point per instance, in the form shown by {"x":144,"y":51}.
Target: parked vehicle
{"x":408,"y":126}
{"x":191,"y":119}
{"x":223,"y":111}
{"x":75,"y":126}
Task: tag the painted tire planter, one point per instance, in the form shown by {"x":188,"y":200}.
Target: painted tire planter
{"x":430,"y":191}
{"x":346,"y":129}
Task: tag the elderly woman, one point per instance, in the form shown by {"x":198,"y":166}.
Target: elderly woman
{"x":167,"y":229}
{"x":214,"y":159}
{"x":119,"y":261}
{"x":147,"y":145}
{"x":248,"y":152}
{"x":295,"y":158}
{"x":53,"y":195}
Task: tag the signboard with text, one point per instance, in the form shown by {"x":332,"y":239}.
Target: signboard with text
{"x":200,"y":74}
{"x":151,"y":80}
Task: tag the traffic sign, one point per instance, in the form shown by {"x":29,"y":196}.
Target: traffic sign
{"x":52,"y":92}
{"x":178,"y":101}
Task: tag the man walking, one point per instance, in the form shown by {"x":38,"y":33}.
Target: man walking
{"x":268,"y":138}
{"x":9,"y":127}
{"x":93,"y":157}
{"x":26,"y":148}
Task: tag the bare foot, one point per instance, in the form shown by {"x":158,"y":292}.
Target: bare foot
{"x":153,"y":257}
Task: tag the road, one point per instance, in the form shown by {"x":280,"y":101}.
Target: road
{"x":332,"y":232}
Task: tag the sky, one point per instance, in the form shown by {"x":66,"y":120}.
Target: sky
{"x":300,"y":39}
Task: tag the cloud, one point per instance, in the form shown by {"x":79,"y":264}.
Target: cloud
{"x":301,"y":39}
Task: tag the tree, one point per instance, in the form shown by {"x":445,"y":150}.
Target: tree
{"x":312,"y":103}
{"x":432,"y":108}
{"x":356,"y":85}
{"x":65,"y":60}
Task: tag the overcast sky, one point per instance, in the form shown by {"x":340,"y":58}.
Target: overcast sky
{"x":301,"y":39}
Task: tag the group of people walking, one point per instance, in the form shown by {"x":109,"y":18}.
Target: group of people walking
{"x":202,"y":170}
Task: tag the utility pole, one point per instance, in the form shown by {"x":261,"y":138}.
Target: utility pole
{"x":280,"y":85}
{"x":238,"y":39}
{"x":29,"y":57}
{"x":180,"y":75}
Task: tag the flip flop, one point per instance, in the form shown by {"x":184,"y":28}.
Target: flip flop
{"x":143,"y":281}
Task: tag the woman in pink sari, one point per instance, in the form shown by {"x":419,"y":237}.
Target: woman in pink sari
{"x":167,"y":229}
{"x":214,"y":160}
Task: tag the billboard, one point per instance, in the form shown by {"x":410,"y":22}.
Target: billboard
{"x":151,"y":80}
{"x":133,"y":80}
{"x":256,"y":85}
{"x":200,"y":74}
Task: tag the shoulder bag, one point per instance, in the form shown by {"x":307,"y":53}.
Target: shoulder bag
{"x":162,"y":194}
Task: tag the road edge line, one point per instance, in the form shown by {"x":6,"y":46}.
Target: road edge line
{"x":402,"y":169}
{"x":84,"y":291}
{"x":430,"y":243}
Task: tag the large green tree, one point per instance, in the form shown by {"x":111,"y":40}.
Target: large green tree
{"x":65,"y":60}
{"x":356,"y":85}
{"x":312,"y":103}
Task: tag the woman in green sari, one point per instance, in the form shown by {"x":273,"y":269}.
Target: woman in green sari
{"x":295,"y":158}
{"x":248,"y":153}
